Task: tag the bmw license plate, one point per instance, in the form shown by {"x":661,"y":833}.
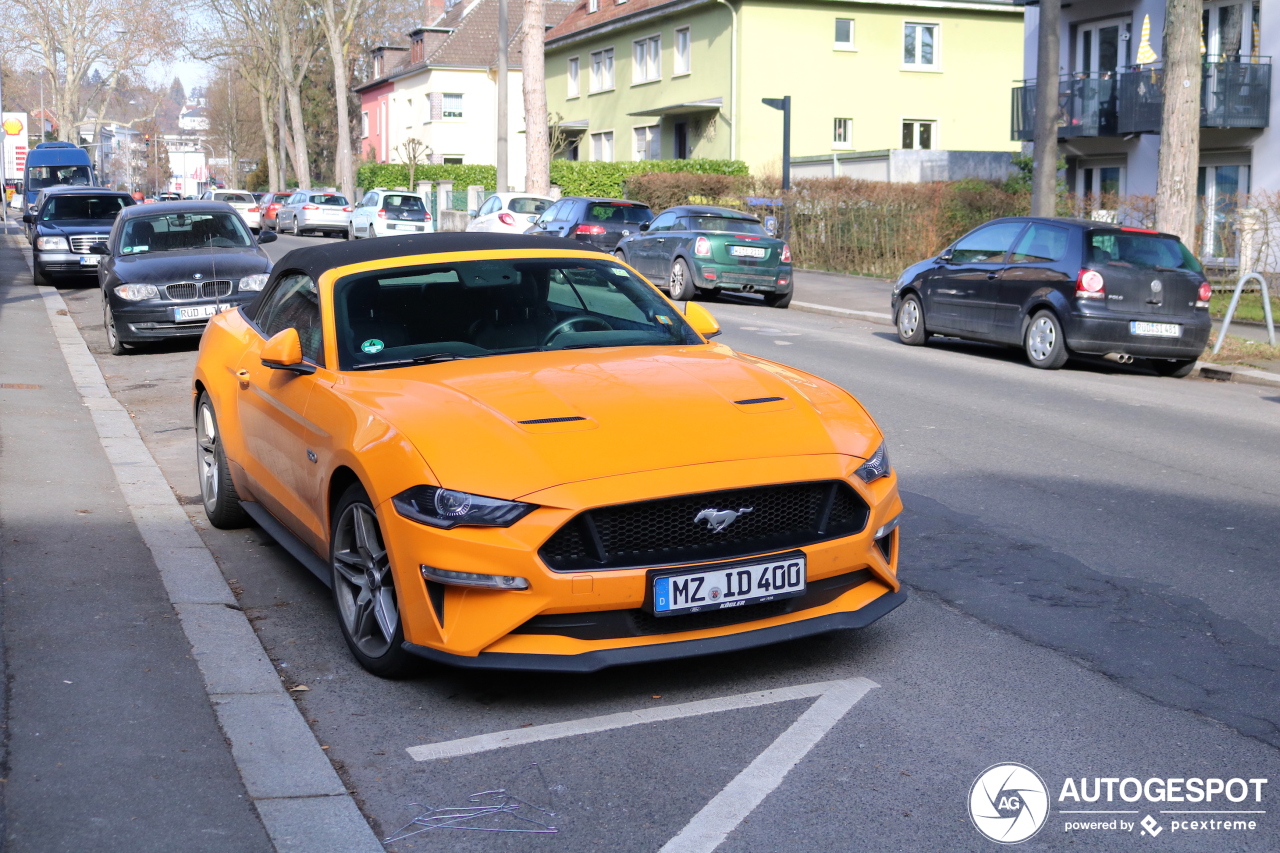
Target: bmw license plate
{"x":748,"y":251}
{"x":1155,"y":330}
{"x":729,"y":586}
{"x":198,"y":312}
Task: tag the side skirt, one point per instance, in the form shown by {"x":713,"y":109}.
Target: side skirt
{"x":288,"y":541}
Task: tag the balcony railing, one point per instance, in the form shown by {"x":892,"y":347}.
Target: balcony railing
{"x":1234,"y":93}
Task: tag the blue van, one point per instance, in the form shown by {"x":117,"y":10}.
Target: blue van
{"x":52,"y":164}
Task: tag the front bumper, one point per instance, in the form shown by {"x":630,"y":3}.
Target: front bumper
{"x":1098,"y":333}
{"x":64,"y":262}
{"x":737,"y":279}
{"x":154,"y":320}
{"x":510,"y":628}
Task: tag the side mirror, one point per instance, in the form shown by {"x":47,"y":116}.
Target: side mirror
{"x":701,"y":320}
{"x":28,"y":219}
{"x":284,"y":352}
{"x":99,"y":248}
{"x":644,"y":226}
{"x":945,"y":255}
{"x":265,"y":236}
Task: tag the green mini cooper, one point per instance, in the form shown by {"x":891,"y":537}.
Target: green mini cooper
{"x":714,"y":249}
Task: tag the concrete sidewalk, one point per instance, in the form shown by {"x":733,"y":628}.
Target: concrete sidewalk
{"x":112,"y":742}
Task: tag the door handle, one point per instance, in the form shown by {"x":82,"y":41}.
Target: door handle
{"x":991,"y":276}
{"x":662,"y":239}
{"x":243,"y":376}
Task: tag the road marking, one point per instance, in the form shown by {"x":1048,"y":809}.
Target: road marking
{"x":740,"y":797}
{"x":591,"y":725}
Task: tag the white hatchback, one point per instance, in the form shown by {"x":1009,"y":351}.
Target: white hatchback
{"x":383,"y":212}
{"x":510,"y":213}
{"x":242,"y":200}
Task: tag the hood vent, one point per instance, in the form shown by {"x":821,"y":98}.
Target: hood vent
{"x":552,"y":420}
{"x":754,"y":400}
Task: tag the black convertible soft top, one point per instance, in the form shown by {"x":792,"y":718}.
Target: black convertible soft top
{"x":317,"y":260}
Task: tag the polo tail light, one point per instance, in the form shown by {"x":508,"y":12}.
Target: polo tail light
{"x":1090,"y":285}
{"x":702,"y":247}
{"x":506,"y":219}
{"x":786,"y":254}
{"x":589,"y":229}
{"x":1203,"y":295}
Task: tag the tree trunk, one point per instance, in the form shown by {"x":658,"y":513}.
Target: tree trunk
{"x":343,"y":164}
{"x":537,"y":138}
{"x":1180,"y":122}
{"x":302,"y":160}
{"x":269,"y":141}
{"x":1044,"y":171}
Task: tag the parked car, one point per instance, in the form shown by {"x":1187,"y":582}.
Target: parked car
{"x":318,"y":211}
{"x":1062,"y":286}
{"x":602,"y":222}
{"x":168,"y":267}
{"x":52,"y":164}
{"x":170,"y":197}
{"x":243,"y":202}
{"x":382,"y":212}
{"x":268,"y":206}
{"x":714,"y":249}
{"x":67,"y":221}
{"x":480,"y":412}
{"x":510,"y":213}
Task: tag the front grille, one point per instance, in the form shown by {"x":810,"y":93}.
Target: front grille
{"x":665,"y":531}
{"x":198,"y":290}
{"x":80,"y":243}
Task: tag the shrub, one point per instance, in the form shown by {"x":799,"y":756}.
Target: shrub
{"x":598,"y":178}
{"x":371,"y":175}
{"x":661,"y":190}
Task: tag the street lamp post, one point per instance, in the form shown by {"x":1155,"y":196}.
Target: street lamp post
{"x":784,"y":104}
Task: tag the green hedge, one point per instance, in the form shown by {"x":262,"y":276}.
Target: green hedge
{"x":371,"y":175}
{"x":597,"y":178}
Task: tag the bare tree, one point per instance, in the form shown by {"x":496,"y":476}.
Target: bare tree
{"x":1044,"y":174}
{"x":340,"y":18}
{"x":1180,"y":121}
{"x":296,"y":45}
{"x":412,"y":151}
{"x":537,"y":140}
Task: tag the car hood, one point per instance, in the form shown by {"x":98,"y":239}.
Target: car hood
{"x":508,"y":426}
{"x":69,"y":227}
{"x":164,"y":267}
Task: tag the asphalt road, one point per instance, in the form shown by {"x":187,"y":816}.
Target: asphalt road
{"x":1093,"y":558}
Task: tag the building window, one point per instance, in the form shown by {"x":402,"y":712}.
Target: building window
{"x":452,"y":160}
{"x":574,"y":84}
{"x":920,"y":45}
{"x":844,"y":34}
{"x":919,"y":134}
{"x":602,"y":146}
{"x":648,"y":143}
{"x":452,"y":106}
{"x":842,"y":134}
{"x":684,"y":62}
{"x":647,"y":53}
{"x":364,"y":125}
{"x":593,"y":6}
{"x":602,"y":70}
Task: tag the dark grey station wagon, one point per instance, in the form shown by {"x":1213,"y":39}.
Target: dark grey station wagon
{"x":1062,"y":286}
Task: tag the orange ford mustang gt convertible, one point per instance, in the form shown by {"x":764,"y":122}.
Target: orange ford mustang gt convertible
{"x":507,"y":452}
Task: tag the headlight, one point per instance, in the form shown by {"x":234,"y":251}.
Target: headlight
{"x":473,"y":579}
{"x":875,"y":467}
{"x":52,"y":244}
{"x":136,"y":292}
{"x":254,"y":282}
{"x":448,"y":509}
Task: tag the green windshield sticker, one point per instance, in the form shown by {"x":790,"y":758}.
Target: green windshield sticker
{"x":371,"y":346}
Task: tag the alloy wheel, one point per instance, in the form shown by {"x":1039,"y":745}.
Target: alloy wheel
{"x":1042,"y":338}
{"x":909,"y":318}
{"x":677,"y":279}
{"x":207,"y":456}
{"x":362,"y":582}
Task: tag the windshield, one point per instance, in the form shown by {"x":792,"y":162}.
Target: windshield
{"x":470,"y":309}
{"x":726,"y":223}
{"x":337,"y":200}
{"x":1135,"y":249}
{"x":236,"y":197}
{"x":175,"y":231}
{"x":528,"y":205}
{"x":618,"y":213}
{"x":39,"y":177}
{"x":63,"y":208}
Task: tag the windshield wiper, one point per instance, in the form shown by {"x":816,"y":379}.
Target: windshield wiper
{"x":417,"y":359}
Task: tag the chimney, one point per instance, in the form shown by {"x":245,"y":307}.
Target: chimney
{"x":435,"y":11}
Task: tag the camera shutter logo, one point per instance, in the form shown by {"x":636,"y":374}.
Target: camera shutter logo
{"x":1008,"y":803}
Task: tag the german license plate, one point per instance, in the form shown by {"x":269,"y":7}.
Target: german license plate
{"x":391,"y":226}
{"x":1155,"y":330}
{"x":88,"y":260}
{"x":748,"y":251}
{"x":729,"y":586}
{"x":198,"y":312}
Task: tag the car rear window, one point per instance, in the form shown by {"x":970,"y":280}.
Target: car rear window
{"x":62,"y":208}
{"x":404,"y":202}
{"x":725,"y":223}
{"x":236,"y":197}
{"x":528,"y":205}
{"x":336,"y":200}
{"x":618,"y":213}
{"x":1134,"y":248}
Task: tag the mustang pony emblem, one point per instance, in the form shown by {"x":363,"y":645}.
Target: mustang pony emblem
{"x":718,"y":519}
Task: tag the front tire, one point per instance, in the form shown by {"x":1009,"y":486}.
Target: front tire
{"x":1177,"y":369}
{"x":364,"y":588}
{"x":1045,"y":345}
{"x":680,"y":284}
{"x":114,"y":343}
{"x":910,"y":322}
{"x":41,"y":277}
{"x":217,"y":492}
